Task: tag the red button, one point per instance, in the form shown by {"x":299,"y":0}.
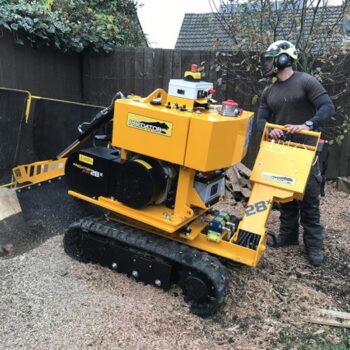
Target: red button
{"x":230,"y":103}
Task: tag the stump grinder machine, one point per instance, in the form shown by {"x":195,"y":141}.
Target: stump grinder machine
{"x":158,"y":177}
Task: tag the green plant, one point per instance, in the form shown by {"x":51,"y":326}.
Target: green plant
{"x":73,"y":25}
{"x":329,"y":340}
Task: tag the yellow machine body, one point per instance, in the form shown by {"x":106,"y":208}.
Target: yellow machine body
{"x":196,"y":141}
{"x":201,"y":141}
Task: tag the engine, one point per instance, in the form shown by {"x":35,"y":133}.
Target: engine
{"x":137,"y":182}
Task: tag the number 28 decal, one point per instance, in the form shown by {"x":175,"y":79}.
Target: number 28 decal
{"x":257,"y":207}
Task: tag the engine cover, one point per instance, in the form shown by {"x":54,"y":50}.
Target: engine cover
{"x":99,"y":171}
{"x":138,"y":182}
{"x":89,"y":171}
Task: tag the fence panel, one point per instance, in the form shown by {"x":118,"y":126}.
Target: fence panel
{"x":44,"y":71}
{"x":52,"y":126}
{"x":12,"y":120}
{"x":94,"y":78}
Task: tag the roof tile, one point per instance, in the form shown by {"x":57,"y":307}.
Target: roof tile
{"x":204,"y":31}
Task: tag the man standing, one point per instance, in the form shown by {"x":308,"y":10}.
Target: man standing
{"x":298,"y":101}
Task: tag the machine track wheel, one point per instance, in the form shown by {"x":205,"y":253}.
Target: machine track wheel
{"x":151,"y":259}
{"x":72,"y":245}
{"x":199,"y":291}
{"x":195,"y":287}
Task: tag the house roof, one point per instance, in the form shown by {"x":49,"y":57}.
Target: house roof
{"x":204,"y":31}
{"x":142,"y":33}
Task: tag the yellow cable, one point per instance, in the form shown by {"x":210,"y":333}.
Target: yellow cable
{"x":9,"y":185}
{"x":65,"y":101}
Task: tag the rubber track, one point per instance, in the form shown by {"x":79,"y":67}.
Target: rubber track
{"x":171,"y":250}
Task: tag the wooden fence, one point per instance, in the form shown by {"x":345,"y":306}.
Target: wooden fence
{"x":94,"y":78}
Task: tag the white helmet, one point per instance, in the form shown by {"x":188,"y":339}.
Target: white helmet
{"x":279,"y":55}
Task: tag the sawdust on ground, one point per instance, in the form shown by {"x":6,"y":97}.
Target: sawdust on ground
{"x":48,"y":301}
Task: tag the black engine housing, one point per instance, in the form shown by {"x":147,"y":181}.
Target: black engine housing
{"x":99,"y":171}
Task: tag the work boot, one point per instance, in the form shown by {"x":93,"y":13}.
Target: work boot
{"x":315,"y":257}
{"x":281,"y":241}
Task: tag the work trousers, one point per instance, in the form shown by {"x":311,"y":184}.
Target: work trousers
{"x":307,"y":212}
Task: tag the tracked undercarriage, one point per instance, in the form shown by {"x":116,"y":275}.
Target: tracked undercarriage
{"x":151,"y":259}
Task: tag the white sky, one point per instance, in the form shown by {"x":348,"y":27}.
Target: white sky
{"x":161,"y":19}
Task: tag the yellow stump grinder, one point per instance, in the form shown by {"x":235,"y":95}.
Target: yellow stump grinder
{"x":158,"y":179}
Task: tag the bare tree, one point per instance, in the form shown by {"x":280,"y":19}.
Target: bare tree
{"x":318,"y":30}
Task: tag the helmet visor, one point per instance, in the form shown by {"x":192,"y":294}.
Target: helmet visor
{"x":267,"y":63}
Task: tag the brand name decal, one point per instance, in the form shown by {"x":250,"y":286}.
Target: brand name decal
{"x":278,"y":178}
{"x":86,"y":170}
{"x":154,"y":126}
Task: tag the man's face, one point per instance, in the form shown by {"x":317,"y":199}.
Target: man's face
{"x":268,"y":65}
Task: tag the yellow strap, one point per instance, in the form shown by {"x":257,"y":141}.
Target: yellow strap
{"x":28,"y":105}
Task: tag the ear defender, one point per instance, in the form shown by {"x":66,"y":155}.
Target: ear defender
{"x":282,"y":61}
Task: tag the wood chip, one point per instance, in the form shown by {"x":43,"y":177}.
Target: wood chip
{"x":327,"y":322}
{"x":236,"y":173}
{"x":343,"y":184}
{"x":245,"y":183}
{"x":242,"y":178}
{"x":243,"y":170}
{"x":330,"y":318}
{"x":233,"y":178}
{"x":246,"y":192}
{"x":337,"y":314}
